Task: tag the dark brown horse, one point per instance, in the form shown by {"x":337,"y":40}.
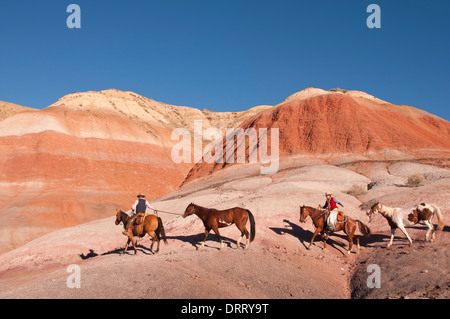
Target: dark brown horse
{"x":152,"y":226}
{"x":318,"y":218}
{"x":215,"y":219}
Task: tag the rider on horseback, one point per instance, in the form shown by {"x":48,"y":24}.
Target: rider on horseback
{"x":330,"y":204}
{"x":139,"y":207}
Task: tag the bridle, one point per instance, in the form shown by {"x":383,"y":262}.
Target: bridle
{"x":372,"y":212}
{"x":193,"y":211}
{"x":322,"y":212}
{"x":314,"y":218}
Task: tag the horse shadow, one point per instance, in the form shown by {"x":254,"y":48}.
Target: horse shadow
{"x":197,"y":240}
{"x":139,"y":248}
{"x":118,"y":251}
{"x":295,"y":231}
{"x":91,"y":254}
{"x":304,"y":236}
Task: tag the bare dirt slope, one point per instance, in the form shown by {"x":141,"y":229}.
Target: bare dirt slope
{"x":407,"y":273}
{"x":277,"y":264}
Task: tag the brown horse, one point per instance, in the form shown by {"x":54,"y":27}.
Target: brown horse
{"x":215,"y":219}
{"x":318,"y":217}
{"x":152,"y":226}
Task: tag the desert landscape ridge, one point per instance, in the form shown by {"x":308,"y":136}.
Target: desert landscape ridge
{"x":66,"y":169}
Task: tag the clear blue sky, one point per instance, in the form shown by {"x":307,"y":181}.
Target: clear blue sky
{"x":226,"y":55}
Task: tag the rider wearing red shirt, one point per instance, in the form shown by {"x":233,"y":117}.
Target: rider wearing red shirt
{"x":331,"y":203}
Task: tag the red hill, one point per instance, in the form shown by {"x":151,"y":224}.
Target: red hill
{"x":336,"y":126}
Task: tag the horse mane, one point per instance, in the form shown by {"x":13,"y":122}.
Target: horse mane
{"x":313,"y":211}
{"x":200,"y":210}
{"x":198,"y":206}
{"x":195,"y":205}
{"x":124,"y":216}
{"x":387,"y":211}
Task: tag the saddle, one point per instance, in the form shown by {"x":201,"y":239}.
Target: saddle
{"x":341,"y":218}
{"x":140,"y":219}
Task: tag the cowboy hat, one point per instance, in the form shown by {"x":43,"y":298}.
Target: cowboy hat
{"x":328,"y":193}
{"x":140,"y":195}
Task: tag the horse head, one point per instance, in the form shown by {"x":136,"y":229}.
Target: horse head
{"x":303,"y":213}
{"x":118,"y":216}
{"x":374,"y":209}
{"x":190,"y":209}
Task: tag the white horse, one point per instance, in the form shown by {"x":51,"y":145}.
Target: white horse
{"x":401,"y":217}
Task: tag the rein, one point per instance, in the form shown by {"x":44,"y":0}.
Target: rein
{"x":317,"y":217}
{"x":162,"y":211}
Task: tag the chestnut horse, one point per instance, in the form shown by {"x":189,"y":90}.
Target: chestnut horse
{"x":215,"y":219}
{"x":401,"y":217}
{"x":152,"y":226}
{"x":318,"y":217}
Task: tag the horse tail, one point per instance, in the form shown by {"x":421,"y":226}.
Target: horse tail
{"x":439,"y":216}
{"x":363,"y":228}
{"x":252,"y":225}
{"x":161,"y":230}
